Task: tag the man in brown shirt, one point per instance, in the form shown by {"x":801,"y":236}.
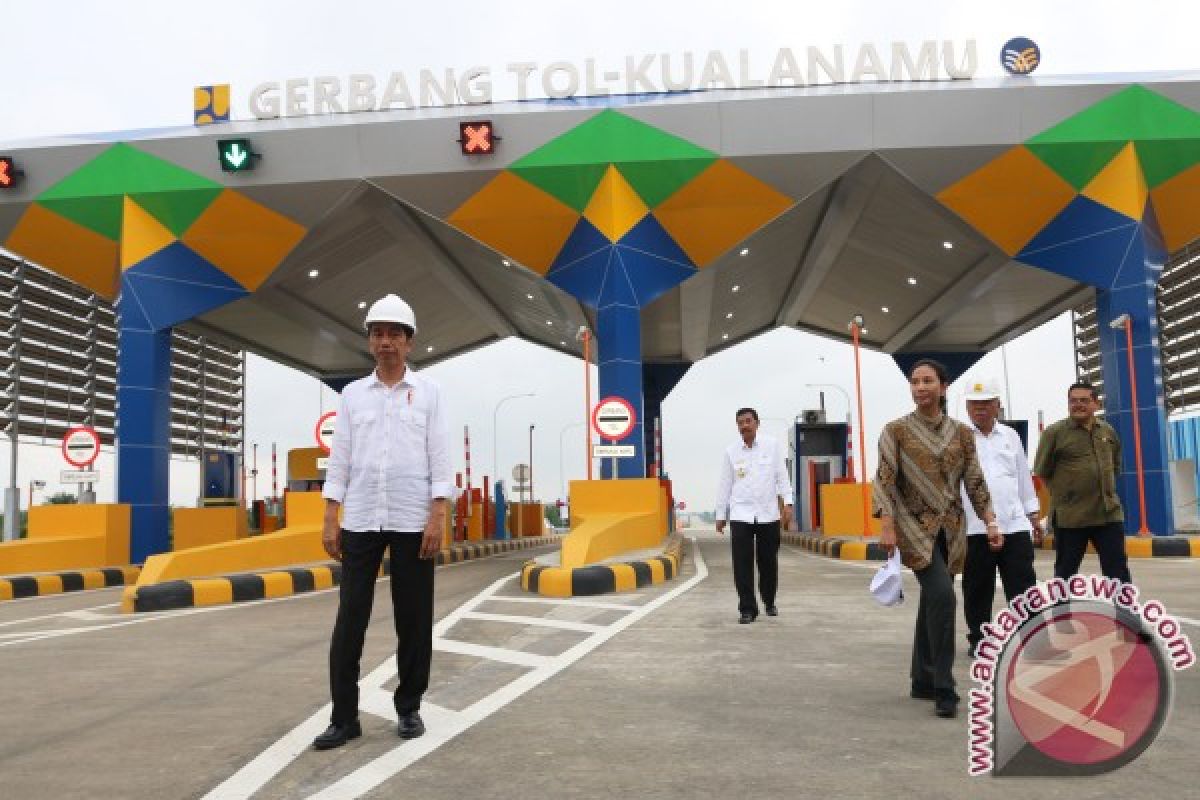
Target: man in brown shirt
{"x":1080,"y":458}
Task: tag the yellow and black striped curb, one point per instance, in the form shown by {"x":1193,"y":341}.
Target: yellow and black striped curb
{"x":279,"y":583}
{"x":14,"y":587}
{"x":1151,"y":546}
{"x":845,"y":548}
{"x":603,"y":578}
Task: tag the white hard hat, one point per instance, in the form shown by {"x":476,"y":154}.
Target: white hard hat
{"x":391,"y":308}
{"x":983,"y":390}
{"x":887,"y":585}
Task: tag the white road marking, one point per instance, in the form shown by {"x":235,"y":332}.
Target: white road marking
{"x":503,"y":655}
{"x":442,"y":725}
{"x":566,"y":601}
{"x":58,"y":614}
{"x":544,"y":622}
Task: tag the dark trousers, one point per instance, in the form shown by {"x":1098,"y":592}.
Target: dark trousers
{"x":412,"y":608}
{"x":751,"y":539}
{"x":1014,"y":562}
{"x":1070,"y":544}
{"x":933,"y":640}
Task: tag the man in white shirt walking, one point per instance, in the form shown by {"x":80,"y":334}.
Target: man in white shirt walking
{"x":1010,"y":482}
{"x":389,"y":477}
{"x":753,"y":480}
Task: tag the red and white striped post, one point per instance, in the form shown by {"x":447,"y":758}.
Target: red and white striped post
{"x":849,"y":472}
{"x":467,"y":447}
{"x":274,"y":476}
{"x":658,"y":458}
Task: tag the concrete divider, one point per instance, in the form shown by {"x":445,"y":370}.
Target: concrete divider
{"x":595,"y":579}
{"x":613,"y":517}
{"x":196,"y":527}
{"x":15,"y":587}
{"x":240,"y":588}
{"x":1149,"y":546}
{"x":849,"y":548}
{"x":69,"y":537}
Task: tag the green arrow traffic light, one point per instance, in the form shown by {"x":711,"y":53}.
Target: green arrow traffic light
{"x":235,"y":155}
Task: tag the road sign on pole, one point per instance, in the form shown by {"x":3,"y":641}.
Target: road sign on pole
{"x":613,"y":418}
{"x":324,"y":431}
{"x":80,"y":447}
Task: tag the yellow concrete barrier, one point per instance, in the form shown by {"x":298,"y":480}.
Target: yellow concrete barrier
{"x":842,"y":509}
{"x":614,"y":517}
{"x":69,"y":537}
{"x":196,"y":527}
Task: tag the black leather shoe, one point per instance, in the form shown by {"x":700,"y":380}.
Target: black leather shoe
{"x":946,"y":704}
{"x":922,"y":692}
{"x":746,"y":618}
{"x":772,"y":611}
{"x":337,"y":735}
{"x":410,"y":726}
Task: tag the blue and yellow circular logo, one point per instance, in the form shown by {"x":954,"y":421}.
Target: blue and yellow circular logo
{"x":1020,"y":56}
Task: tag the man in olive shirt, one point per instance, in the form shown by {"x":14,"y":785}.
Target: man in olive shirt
{"x":1080,"y":458}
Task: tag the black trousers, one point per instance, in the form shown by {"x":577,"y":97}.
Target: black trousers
{"x":933,"y":639}
{"x":1014,"y":562}
{"x":751,"y":540}
{"x":1070,"y":545}
{"x":412,"y":609}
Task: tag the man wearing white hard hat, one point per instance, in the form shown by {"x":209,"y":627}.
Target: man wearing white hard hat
{"x":388,"y":477}
{"x":1010,"y":550}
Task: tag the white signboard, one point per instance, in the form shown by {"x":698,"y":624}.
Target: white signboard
{"x":79,"y":476}
{"x":322,"y":463}
{"x":613,"y":418}
{"x":613,"y":451}
{"x":520,"y":473}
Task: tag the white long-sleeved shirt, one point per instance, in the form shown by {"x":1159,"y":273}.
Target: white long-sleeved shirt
{"x":751,"y":480}
{"x":1009,"y":480}
{"x":390,"y":455}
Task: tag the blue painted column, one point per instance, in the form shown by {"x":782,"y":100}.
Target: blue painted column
{"x":619,"y":338}
{"x":1133,"y":293}
{"x":143,"y":427}
{"x":658,"y":380}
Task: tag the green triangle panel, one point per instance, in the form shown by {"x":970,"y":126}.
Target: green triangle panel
{"x":574,"y":185}
{"x":177,"y":210}
{"x":1077,"y":162}
{"x":1132,"y":113}
{"x":612,"y":137}
{"x":655,"y":181}
{"x":100,"y":214}
{"x":123,"y":170}
{"x":1164,"y":159}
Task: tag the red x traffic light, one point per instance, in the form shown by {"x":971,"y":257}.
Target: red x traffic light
{"x":9,"y":174}
{"x":477,"y":138}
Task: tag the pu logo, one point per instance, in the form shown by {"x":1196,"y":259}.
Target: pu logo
{"x":1020,"y":56}
{"x":210,"y":104}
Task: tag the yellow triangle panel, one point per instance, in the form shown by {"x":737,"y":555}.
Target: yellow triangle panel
{"x":615,"y":207}
{"x":1175,"y":206}
{"x":68,"y":248}
{"x":718,"y":209}
{"x":518,"y":219}
{"x":1009,"y":199}
{"x":141,"y":235}
{"x":1121,"y":185}
{"x":243,"y":239}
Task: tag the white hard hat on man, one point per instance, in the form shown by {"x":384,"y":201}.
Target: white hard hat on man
{"x":986,"y":389}
{"x":390,"y":308}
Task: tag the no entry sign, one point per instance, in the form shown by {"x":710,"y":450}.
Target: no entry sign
{"x":613,"y":418}
{"x":324,"y":431}
{"x":80,"y":447}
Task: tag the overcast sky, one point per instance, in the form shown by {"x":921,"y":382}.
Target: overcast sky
{"x":120,"y":65}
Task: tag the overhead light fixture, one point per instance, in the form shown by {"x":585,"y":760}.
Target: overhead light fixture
{"x":312,"y":273}
{"x":362,"y":303}
{"x":865,"y":331}
{"x":729,"y":315}
{"x":885,"y":309}
{"x":549,"y":322}
{"x":562,"y":344}
{"x":912,"y":281}
{"x":745,"y":251}
{"x":948,"y":245}
{"x":429,"y":349}
{"x":724,"y":336}
{"x":528,"y":296}
{"x":506,"y":262}
{"x":735,"y":288}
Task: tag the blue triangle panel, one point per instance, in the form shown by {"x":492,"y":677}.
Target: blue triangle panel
{"x":585,"y":240}
{"x":131,"y":313}
{"x":652,"y":276}
{"x":651,"y":238}
{"x":617,"y":288}
{"x":583,"y":279}
{"x":169,"y":302}
{"x":1086,"y":242}
{"x":179,"y":262}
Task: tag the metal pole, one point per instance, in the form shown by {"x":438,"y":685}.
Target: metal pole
{"x":1143,"y":530}
{"x":12,"y":496}
{"x":862,"y":441}
{"x":495,"y":423}
{"x":1007,"y":386}
{"x":531,"y":494}
{"x":587,"y":401}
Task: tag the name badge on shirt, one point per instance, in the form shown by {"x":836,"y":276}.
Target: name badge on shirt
{"x":740,"y":468}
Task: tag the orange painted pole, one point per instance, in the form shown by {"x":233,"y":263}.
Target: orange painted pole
{"x":1137,"y":429}
{"x":862,"y":439}
{"x":587,"y":401}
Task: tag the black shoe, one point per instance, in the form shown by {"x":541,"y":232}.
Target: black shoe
{"x":772,"y":611}
{"x":337,"y":735}
{"x":920,"y":691}
{"x":946,"y":704}
{"x":747,"y":618}
{"x":410,"y":726}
